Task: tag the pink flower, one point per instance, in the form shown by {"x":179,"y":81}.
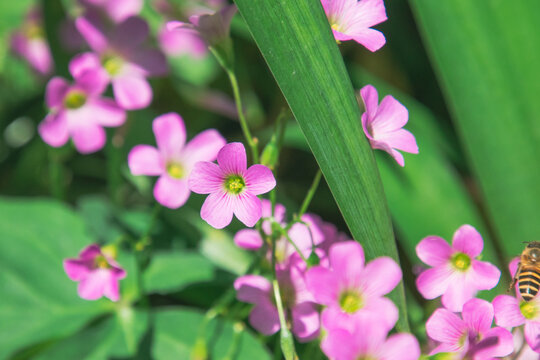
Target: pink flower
{"x":233,"y":188}
{"x":120,"y":58}
{"x":455,"y":272}
{"x":97,"y":273}
{"x":352,"y":20}
{"x":349,"y":289}
{"x":173,"y":160}
{"x":182,"y":41}
{"x":367,"y":339}
{"x":383,"y":124}
{"x":30,"y":43}
{"x":250,"y":239}
{"x":117,"y":10}
{"x":78,"y":111}
{"x":297,"y":301}
{"x":471,"y":335}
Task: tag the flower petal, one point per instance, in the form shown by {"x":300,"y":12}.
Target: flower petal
{"x":383,"y":309}
{"x":93,"y":286}
{"x":248,"y":239}
{"x":380,"y":276}
{"x":217,"y":209}
{"x":91,"y":32}
{"x":478,"y":315}
{"x":496,"y":342}
{"x":203,"y":147}
{"x":130,"y":33}
{"x":77,"y":269}
{"x":507,"y":312}
{"x":259,"y":179}
{"x":434,"y":251}
{"x":532,"y":334}
{"x":432,"y":283}
{"x":252,"y":289}
{"x":445,"y":326}
{"x":232,"y":158}
{"x":206,"y":178}
{"x":111,"y":288}
{"x":467,"y":240}
{"x":88,"y":137}
{"x":264,"y":318}
{"x":152,"y":62}
{"x":145,"y":160}
{"x":247,"y":208}
{"x":401,"y":140}
{"x":484,"y":275}
{"x":347,"y":260}
{"x":104,"y":112}
{"x":170,"y":192}
{"x":55,"y":92}
{"x":400,"y":347}
{"x":84,"y":62}
{"x":119,"y":10}
{"x":305,"y":321}
{"x":54,"y":129}
{"x":132,"y":92}
{"x":321,"y":282}
{"x":460,"y":290}
{"x":340,"y":344}
{"x":170,"y":133}
{"x":391,"y":116}
{"x":371,"y":103}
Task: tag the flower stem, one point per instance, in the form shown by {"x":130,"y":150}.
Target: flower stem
{"x":56,"y":175}
{"x":310,"y":194}
{"x":243,"y":122}
{"x":238,"y":329}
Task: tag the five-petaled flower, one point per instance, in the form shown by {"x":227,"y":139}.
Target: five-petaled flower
{"x":383,"y":124}
{"x":233,"y":188}
{"x":470,"y":336}
{"x":455,"y":272}
{"x":173,"y":159}
{"x":352,"y":20}
{"x":97,"y":272}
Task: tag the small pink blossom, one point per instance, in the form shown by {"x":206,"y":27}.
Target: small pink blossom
{"x":173,"y":159}
{"x":121,"y":58}
{"x":96,"y":272}
{"x":470,"y":335}
{"x":29,"y":42}
{"x":250,"y":239}
{"x":233,"y":188}
{"x":182,"y":41}
{"x":116,"y":10}
{"x":367,"y":339}
{"x":350,"y":289}
{"x":297,"y":301}
{"x":455,"y":272}
{"x":78,"y":111}
{"x":383,"y":124}
{"x":352,"y":20}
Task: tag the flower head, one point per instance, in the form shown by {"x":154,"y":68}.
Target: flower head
{"x":78,"y":111}
{"x":383,"y":124}
{"x":296,"y":299}
{"x":233,"y":187}
{"x":350,"y":289}
{"x":352,"y":20}
{"x":97,"y":273}
{"x":182,"y":41}
{"x":472,"y":334}
{"x":120,"y":58}
{"x":173,"y":159}
{"x":455,"y":272}
{"x":29,"y":42}
{"x":367,"y":339}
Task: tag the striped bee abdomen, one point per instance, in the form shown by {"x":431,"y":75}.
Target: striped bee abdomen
{"x":529,"y":282}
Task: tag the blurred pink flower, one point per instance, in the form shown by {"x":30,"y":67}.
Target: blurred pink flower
{"x":29,"y":42}
{"x":116,"y":10}
{"x":455,"y":272}
{"x":97,"y":273}
{"x":470,"y":336}
{"x":367,"y":339}
{"x":297,"y":302}
{"x":233,"y":188}
{"x":182,"y":41}
{"x":173,"y":159}
{"x":121,"y":59}
{"x":250,"y":239}
{"x":349,"y":289}
{"x":352,"y":20}
{"x":383,"y":124}
{"x":78,"y":111}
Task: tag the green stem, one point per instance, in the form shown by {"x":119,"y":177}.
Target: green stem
{"x":56,"y":175}
{"x":243,"y":122}
{"x":238,"y":329}
{"x":310,"y":194}
{"x":286,"y":234}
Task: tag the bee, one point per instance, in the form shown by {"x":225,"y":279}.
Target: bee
{"x":528,"y":271}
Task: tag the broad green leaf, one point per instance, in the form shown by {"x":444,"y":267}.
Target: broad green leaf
{"x":486,"y":55}
{"x":297,"y":43}
{"x":38,"y":301}
{"x":176,"y":330}
{"x":170,"y":272}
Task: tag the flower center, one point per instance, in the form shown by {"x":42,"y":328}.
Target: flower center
{"x":528,"y":310}
{"x":113,"y":65}
{"x":350,"y":302}
{"x":74,"y":99}
{"x":175,"y":170}
{"x":235,"y":184}
{"x":461,"y":261}
{"x":101,"y":262}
